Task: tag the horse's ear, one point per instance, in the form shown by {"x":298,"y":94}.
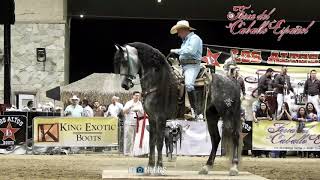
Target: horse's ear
{"x":119,"y":48}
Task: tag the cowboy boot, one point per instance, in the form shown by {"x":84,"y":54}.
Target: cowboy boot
{"x":193,"y":101}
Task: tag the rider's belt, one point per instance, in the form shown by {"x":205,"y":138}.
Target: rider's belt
{"x":189,"y":61}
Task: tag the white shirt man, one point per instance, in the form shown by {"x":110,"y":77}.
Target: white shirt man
{"x":74,"y":109}
{"x":131,"y":109}
{"x":114,"y":108}
{"x":87,"y":110}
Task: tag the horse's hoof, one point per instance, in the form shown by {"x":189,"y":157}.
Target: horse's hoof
{"x":204,"y":170}
{"x":233,"y":171}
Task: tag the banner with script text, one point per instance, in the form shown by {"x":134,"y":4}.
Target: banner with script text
{"x":80,"y":132}
{"x":282,"y":135}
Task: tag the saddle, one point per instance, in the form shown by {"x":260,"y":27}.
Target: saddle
{"x":202,"y":83}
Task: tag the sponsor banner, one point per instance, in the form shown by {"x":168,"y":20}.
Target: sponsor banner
{"x":282,"y":135}
{"x":12,"y":130}
{"x":266,"y":57}
{"x":80,"y":132}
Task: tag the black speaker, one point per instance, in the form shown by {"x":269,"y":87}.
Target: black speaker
{"x":7,"y":15}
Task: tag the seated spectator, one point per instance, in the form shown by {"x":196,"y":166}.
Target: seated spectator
{"x":263,"y":113}
{"x":285,"y":113}
{"x":256,"y":104}
{"x":311,"y":111}
{"x":301,"y":116}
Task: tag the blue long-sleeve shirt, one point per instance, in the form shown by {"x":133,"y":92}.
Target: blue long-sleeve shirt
{"x":191,"y":47}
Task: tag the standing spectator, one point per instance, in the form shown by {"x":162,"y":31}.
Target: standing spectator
{"x":265,"y":82}
{"x":240,"y":81}
{"x":285,"y":113}
{"x":74,"y":109}
{"x":114,"y":108}
{"x":97,"y":109}
{"x":283,"y":87}
{"x":87,"y":110}
{"x":312,"y":89}
{"x":133,"y":110}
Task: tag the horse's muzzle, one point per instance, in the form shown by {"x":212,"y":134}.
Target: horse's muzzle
{"x":127,"y":84}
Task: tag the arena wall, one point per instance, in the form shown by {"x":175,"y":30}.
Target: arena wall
{"x":39,"y":24}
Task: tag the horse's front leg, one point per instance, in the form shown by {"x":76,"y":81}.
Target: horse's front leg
{"x":160,"y":136}
{"x":235,"y":155}
{"x":152,"y":143}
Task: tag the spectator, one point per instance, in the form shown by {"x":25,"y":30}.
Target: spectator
{"x":265,"y":82}
{"x":74,"y":109}
{"x":311,"y":111}
{"x":240,"y":81}
{"x":283,"y":87}
{"x":114,"y":108}
{"x":87,"y":110}
{"x":263,"y":113}
{"x":97,"y":109}
{"x":29,"y":106}
{"x":256,"y":104}
{"x":312,"y":89}
{"x":285,"y":113}
{"x":301,"y":116}
{"x":133,"y":110}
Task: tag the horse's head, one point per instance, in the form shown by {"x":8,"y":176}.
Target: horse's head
{"x":126,"y":63}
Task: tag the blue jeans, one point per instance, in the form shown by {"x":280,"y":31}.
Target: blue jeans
{"x":191,"y":72}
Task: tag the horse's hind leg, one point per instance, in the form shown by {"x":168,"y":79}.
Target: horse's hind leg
{"x":212,"y":121}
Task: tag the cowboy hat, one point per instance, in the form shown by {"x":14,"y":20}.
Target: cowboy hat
{"x":181,"y":24}
{"x":74,"y":97}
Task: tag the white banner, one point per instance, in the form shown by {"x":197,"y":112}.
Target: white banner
{"x":196,"y":138}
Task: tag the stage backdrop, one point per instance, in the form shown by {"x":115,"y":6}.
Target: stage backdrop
{"x":79,"y":132}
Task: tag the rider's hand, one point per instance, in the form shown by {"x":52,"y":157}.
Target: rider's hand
{"x":174,"y":51}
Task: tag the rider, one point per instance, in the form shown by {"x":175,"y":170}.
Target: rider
{"x":190,"y":55}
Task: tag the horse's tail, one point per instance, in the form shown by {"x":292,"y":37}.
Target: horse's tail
{"x":232,"y":128}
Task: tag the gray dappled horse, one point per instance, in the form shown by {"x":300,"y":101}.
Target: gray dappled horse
{"x":160,"y":93}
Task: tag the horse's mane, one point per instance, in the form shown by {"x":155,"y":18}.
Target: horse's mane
{"x":149,"y":55}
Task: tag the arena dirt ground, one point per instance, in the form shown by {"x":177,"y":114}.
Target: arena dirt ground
{"x":91,"y":166}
